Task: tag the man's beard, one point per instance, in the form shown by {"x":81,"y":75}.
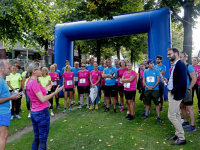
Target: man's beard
{"x":158,"y":62}
{"x":173,"y":58}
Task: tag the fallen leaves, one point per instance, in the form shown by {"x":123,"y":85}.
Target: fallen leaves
{"x":64,"y":120}
{"x":99,"y":140}
{"x":111,"y":136}
{"x":120,"y":123}
{"x":51,"y":140}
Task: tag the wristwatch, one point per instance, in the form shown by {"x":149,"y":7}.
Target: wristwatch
{"x":189,"y":89}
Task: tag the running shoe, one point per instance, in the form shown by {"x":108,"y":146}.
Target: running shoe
{"x":199,"y":113}
{"x":12,"y":117}
{"x":96,"y":106}
{"x":52,"y":114}
{"x":18,"y":117}
{"x":144,"y":112}
{"x":129,"y":115}
{"x":106,"y":110}
{"x":91,"y":107}
{"x":161,"y":109}
{"x":29,"y":115}
{"x":72,"y":103}
{"x":79,"y":103}
{"x":69,"y":109}
{"x":57,"y":107}
{"x":115,"y":111}
{"x":104,"y":105}
{"x":198,"y":117}
{"x":158,"y":120}
{"x":64,"y":111}
{"x":182,"y":120}
{"x":21,"y":111}
{"x":117,"y":104}
{"x":191,"y":129}
{"x":185,"y":124}
{"x":87,"y":106}
{"x":122,"y":108}
{"x":144,"y":117}
{"x":131,"y":118}
{"x":80,"y":106}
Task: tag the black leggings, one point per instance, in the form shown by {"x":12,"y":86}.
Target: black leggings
{"x":195,"y":87}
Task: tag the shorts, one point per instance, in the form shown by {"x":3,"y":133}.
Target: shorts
{"x":151,"y":95}
{"x":76,"y":84}
{"x":102,"y":87}
{"x":161,"y":89}
{"x":110,"y":91}
{"x":70,"y":89}
{"x":130,"y":95}
{"x":120,"y":88}
{"x":187,"y":100}
{"x":5,"y":119}
{"x":84,"y":89}
{"x":53,"y":89}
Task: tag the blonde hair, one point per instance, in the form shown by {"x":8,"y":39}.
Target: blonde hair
{"x":51,"y":67}
{"x":43,"y":69}
{"x":95,"y":64}
{"x":66,"y":68}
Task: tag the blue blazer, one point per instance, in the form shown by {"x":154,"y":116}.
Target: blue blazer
{"x":179,"y":80}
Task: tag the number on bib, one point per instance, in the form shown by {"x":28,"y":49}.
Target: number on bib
{"x":75,"y":78}
{"x":127,"y":85}
{"x":69,"y":82}
{"x":82,"y":80}
{"x":150,"y":79}
{"x":54,"y":82}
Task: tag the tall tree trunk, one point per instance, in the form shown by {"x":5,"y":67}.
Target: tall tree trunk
{"x":118,"y":51}
{"x":187,"y":42}
{"x":132,"y":56}
{"x":98,"y":51}
{"x":79,"y":55}
{"x":46,"y":53}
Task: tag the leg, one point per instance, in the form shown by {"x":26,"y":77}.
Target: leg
{"x":97,"y":99}
{"x":17,"y":106}
{"x":70,"y":97}
{"x":147,"y":109}
{"x":121,"y":98}
{"x":184,"y":112}
{"x":108,"y":102}
{"x":158,"y":110}
{"x":87,"y":98}
{"x":114,"y":102}
{"x":81,"y":99}
{"x":65,"y":99}
{"x":3,"y":136}
{"x":51,"y":102}
{"x":12,"y":109}
{"x":130,"y":103}
{"x":129,"y":109}
{"x":35,"y":143}
{"x":191,"y":112}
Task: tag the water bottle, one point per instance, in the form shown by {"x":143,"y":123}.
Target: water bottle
{"x":161,"y":76}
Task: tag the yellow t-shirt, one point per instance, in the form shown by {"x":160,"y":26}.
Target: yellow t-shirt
{"x":14,"y":80}
{"x":44,"y":81}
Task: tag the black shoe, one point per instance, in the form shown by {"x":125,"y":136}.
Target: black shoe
{"x":117,"y":104}
{"x":131,"y":118}
{"x":179,"y":142}
{"x":172,"y":138}
{"x":129,"y":115}
{"x":106,"y":110}
{"x":115,"y":111}
{"x":158,"y":120}
{"x":104,"y":105}
{"x":198,"y":117}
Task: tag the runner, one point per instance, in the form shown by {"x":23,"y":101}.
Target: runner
{"x":59,"y":73}
{"x":90,"y":66}
{"x":110,"y":89}
{"x":120,"y":73}
{"x":39,"y":111}
{"x":14,"y":81}
{"x":129,"y":79}
{"x":83,"y":84}
{"x":75,"y":70}
{"x":95,"y":77}
{"x":116,"y":62}
{"x":54,"y":81}
{"x":45,"y":80}
{"x":103,"y":81}
{"x":5,"y":101}
{"x":101,"y":68}
{"x":151,"y":79}
{"x":66,"y":63}
{"x":69,"y":86}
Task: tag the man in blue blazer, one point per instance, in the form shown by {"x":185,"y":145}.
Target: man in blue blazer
{"x":177,"y":85}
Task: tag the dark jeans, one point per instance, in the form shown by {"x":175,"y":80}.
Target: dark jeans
{"x":41,"y":124}
{"x":28,"y":103}
{"x":53,"y":89}
{"x":195,"y":87}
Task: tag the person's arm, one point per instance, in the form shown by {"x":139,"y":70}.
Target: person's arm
{"x":162,"y":72}
{"x":99,"y":78}
{"x":128,"y":80}
{"x":91,"y":80}
{"x":107,"y":75}
{"x":193,"y":81}
{"x":20,"y":84}
{"x":43,"y":98}
{"x":8,"y":83}
{"x":157,"y":82}
{"x":13,"y":97}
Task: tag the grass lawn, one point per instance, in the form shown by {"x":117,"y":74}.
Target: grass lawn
{"x":94,"y":129}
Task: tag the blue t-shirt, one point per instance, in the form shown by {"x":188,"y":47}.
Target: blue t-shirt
{"x":63,"y":70}
{"x":190,"y":70}
{"x":59,"y":73}
{"x":75,"y":71}
{"x":19,"y":72}
{"x":160,"y":68}
{"x":100,"y":68}
{"x":112,"y":70}
{"x":89,"y":67}
{"x":150,"y":76}
{"x":4,"y":92}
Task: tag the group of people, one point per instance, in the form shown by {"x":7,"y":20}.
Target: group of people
{"x":40,"y":86}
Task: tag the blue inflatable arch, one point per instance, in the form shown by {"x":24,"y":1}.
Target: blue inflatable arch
{"x":155,"y":22}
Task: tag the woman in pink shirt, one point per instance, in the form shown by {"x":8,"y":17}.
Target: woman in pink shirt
{"x":54,"y":82}
{"x":129,"y":79}
{"x":103,"y":82}
{"x":195,"y":62}
{"x":95,"y":77}
{"x":83,"y":84}
{"x":39,"y":111}
{"x":120,"y":86}
{"x":69,"y":85}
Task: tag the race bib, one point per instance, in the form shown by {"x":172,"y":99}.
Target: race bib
{"x":108,"y":78}
{"x":127,"y":85}
{"x":82,"y":80}
{"x":75,"y":78}
{"x":116,"y":80}
{"x":54,"y":82}
{"x":197,"y":74}
{"x":69,"y":82}
{"x":120,"y":81}
{"x":150,"y":79}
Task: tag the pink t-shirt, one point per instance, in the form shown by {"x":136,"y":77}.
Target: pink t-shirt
{"x":130,"y":86}
{"x":33,"y":87}
{"x":83,"y":78}
{"x":103,"y":80}
{"x":120,"y":73}
{"x":54,"y":76}
{"x":68,"y":80}
{"x":141,"y":78}
{"x":197,"y":71}
{"x":95,"y":75}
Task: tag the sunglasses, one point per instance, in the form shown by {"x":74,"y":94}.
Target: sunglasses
{"x":82,"y":66}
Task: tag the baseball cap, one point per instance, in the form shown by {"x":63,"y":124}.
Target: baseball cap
{"x":150,"y":61}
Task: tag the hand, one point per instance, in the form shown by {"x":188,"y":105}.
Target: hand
{"x":23,"y":91}
{"x":110,"y":76}
{"x":149,"y":88}
{"x":48,"y":87}
{"x":58,"y":89}
{"x":188,"y":90}
{"x":15,"y":96}
{"x":164,"y":79}
{"x":93,"y":85}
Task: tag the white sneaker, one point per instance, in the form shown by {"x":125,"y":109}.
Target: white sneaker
{"x":87,"y":106}
{"x":80,"y":106}
{"x":29,"y":115}
{"x":18,"y":117}
{"x":11,"y":118}
{"x":52,"y":114}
